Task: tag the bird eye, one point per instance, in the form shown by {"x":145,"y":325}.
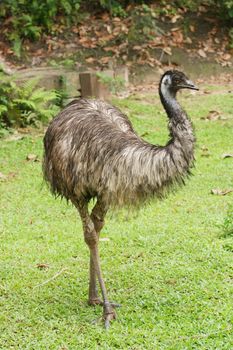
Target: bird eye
{"x":176,"y":80}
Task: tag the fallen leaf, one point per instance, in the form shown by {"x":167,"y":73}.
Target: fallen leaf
{"x":227,"y":155}
{"x":42,"y":266}
{"x":32,"y":158}
{"x":226,"y":56}
{"x":192,"y":28}
{"x":220,"y":192}
{"x":188,"y":40}
{"x":175,"y":18}
{"x":137,"y":47}
{"x":167,"y":50}
{"x":213,"y":115}
{"x":105,"y":60}
{"x":90,"y":60}
{"x":205,"y":151}
{"x":201,"y":53}
{"x":178,"y":37}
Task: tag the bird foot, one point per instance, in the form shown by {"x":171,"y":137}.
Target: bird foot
{"x":109,"y":313}
{"x":95,"y":301}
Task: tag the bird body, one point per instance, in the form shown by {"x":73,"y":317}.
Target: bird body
{"x":92,"y":151}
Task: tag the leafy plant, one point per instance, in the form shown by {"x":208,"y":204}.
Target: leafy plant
{"x":114,"y":7}
{"x":226,"y":7}
{"x":115,"y":84}
{"x":26,"y":103}
{"x":143,"y":25}
{"x":27,"y":19}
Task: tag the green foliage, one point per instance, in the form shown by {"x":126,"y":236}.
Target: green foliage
{"x":25,"y":104}
{"x":115,"y":84}
{"x":114,"y":7}
{"x":26,"y":19}
{"x":231,"y":37}
{"x":144,"y":24}
{"x":226,"y":7}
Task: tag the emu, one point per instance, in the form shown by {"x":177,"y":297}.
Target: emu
{"x":92,"y":151}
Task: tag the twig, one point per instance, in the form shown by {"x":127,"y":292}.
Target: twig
{"x":52,"y":278}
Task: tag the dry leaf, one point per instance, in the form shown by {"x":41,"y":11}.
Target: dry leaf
{"x":220,"y":192}
{"x":227,"y":155}
{"x":32,"y":158}
{"x":213,"y":115}
{"x":137,"y":47}
{"x":90,"y":60}
{"x":175,"y":18}
{"x":201,"y":53}
{"x":226,"y":56}
{"x":42,"y":266}
{"x":192,"y":28}
{"x":188,"y":40}
{"x":105,"y":60}
{"x":205,"y":151}
{"x":167,"y":50}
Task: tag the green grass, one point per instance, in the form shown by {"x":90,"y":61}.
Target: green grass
{"x":169,"y":264}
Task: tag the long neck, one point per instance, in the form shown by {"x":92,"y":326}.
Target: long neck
{"x":180,"y":127}
{"x":180,"y":148}
{"x":150,"y":170}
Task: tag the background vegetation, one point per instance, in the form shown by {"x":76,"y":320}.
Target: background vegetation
{"x":25,"y":103}
{"x":28,"y":19}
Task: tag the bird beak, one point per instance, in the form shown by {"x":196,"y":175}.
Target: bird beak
{"x":188,"y":85}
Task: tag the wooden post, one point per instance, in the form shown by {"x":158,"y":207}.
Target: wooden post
{"x":91,"y":86}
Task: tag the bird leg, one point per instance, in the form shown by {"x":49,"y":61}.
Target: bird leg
{"x":91,"y":239}
{"x":97,"y":216}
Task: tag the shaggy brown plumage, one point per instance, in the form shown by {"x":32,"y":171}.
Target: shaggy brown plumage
{"x":92,"y":151}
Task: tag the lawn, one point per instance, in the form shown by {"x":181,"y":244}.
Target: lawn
{"x":169,"y":265}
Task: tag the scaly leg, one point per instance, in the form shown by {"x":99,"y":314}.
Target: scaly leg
{"x":91,"y":238}
{"x":97,"y":216}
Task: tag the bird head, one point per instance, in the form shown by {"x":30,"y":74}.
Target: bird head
{"x":174,"y":80}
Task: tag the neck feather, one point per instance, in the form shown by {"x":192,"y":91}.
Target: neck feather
{"x":181,"y":143}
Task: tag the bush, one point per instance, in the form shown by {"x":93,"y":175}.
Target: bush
{"x":27,"y":19}
{"x":226,"y":7}
{"x":25,"y":104}
{"x":143,"y":24}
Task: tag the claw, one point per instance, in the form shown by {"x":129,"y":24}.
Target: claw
{"x":115,"y":305}
{"x":111,"y":303}
{"x":107,"y":324}
{"x":108,"y":315}
{"x":96,"y":301}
